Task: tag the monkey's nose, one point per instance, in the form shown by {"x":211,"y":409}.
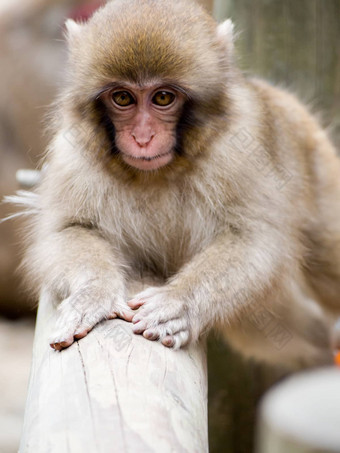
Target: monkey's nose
{"x":143,"y":140}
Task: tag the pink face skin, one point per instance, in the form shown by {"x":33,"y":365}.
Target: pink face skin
{"x":145,"y":122}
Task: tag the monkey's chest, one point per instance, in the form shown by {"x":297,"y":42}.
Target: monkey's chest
{"x":163,"y":238}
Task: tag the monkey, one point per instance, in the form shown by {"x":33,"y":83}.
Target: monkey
{"x":166,"y":160}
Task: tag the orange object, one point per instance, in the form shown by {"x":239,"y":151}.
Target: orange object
{"x":337,"y":358}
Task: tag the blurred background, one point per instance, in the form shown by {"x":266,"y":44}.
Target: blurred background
{"x":294,"y":44}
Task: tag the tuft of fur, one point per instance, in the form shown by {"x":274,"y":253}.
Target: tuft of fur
{"x":27,"y":201}
{"x":242,"y":229}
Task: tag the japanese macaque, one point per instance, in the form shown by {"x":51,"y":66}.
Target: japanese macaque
{"x":166,"y":161}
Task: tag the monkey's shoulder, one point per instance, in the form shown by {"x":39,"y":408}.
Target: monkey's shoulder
{"x":280,"y":102}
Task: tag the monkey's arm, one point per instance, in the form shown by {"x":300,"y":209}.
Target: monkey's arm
{"x":78,"y":267}
{"x":218,"y":285}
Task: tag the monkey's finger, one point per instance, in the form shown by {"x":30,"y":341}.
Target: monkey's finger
{"x":177,"y":340}
{"x":112,"y":316}
{"x":139,"y":327}
{"x":64,"y":333}
{"x":151,"y":334}
{"x":136,"y":318}
{"x":155,"y":314}
{"x":135,"y":303}
{"x":87,"y":324}
{"x":162,"y":330}
{"x":127,"y":315}
{"x":81,"y":333}
{"x":168,"y":341}
{"x":62,"y":344}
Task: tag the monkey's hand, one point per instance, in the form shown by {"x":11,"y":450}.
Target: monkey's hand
{"x":81,"y":311}
{"x":161,"y":316}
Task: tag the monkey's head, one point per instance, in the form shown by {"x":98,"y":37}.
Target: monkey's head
{"x":150,"y":78}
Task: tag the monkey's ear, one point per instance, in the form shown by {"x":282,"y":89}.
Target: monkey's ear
{"x":225,"y":32}
{"x":73,"y":29}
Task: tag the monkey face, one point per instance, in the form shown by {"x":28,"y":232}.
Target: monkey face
{"x":145,"y":121}
{"x":153,"y":87}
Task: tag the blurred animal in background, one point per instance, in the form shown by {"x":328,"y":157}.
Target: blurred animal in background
{"x":33,"y":56}
{"x":167,"y":161}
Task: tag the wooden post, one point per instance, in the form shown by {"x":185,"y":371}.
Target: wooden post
{"x":114,"y":391}
{"x":302,"y":415}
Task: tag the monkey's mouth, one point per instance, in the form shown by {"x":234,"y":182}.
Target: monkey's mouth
{"x":147,"y":158}
{"x":148,"y":162}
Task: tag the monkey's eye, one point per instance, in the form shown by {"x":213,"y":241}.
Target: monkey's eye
{"x":163,"y":98}
{"x":122,"y":98}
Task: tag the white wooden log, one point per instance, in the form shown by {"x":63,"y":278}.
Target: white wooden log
{"x":114,"y":391}
{"x":302,"y":414}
